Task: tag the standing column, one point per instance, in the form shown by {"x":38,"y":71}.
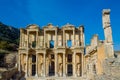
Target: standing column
{"x":56,"y":42}
{"x":19,"y":64}
{"x":44,"y":38}
{"x":37,"y":39}
{"x":44,"y":64}
{"x":74,"y":65}
{"x":64,"y":62}
{"x":63,"y":38}
{"x":73,"y":37}
{"x":56,"y":67}
{"x":26,"y":65}
{"x":28,"y":39}
{"x":36,"y":64}
{"x":82,"y":62}
{"x":20,"y":38}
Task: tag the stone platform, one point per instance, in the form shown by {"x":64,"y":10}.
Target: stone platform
{"x":55,"y":78}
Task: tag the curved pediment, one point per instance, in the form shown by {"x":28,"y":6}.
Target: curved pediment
{"x":32,"y":26}
{"x":68,"y":26}
{"x":49,"y":26}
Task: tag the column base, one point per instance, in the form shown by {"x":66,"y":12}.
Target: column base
{"x":44,"y":75}
{"x":75,"y":75}
{"x":26,"y":75}
{"x":56,"y":75}
{"x":36,"y":75}
{"x":64,"y":75}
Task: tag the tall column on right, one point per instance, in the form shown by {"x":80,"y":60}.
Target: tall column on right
{"x":108,"y":33}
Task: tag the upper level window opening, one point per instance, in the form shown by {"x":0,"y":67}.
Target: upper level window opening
{"x":69,"y":59}
{"x":34,"y":44}
{"x":94,"y":68}
{"x":51,"y":44}
{"x":33,"y":58}
{"x":52,"y":56}
{"x":69,"y":43}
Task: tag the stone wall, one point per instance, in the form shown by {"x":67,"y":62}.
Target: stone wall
{"x":111,"y":69}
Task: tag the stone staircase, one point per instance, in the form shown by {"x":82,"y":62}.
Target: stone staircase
{"x":55,"y":78}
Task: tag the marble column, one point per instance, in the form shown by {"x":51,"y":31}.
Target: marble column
{"x":19,"y":64}
{"x":20,"y":38}
{"x":36,"y":65}
{"x":44,"y":64}
{"x":56,"y":62}
{"x":44,"y":38}
{"x":64,"y":38}
{"x":37,"y":39}
{"x":64,"y":63}
{"x":82,"y":62}
{"x":28,"y":39}
{"x":74,"y":65}
{"x":26,"y":65}
{"x":56,"y":41}
{"x":73,"y":37}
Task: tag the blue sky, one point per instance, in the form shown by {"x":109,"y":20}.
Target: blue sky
{"x":19,"y":13}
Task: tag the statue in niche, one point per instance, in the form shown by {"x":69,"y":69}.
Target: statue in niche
{"x":78,"y":69}
{"x":47,"y":63}
{"x":60,"y":69}
{"x":42,"y":70}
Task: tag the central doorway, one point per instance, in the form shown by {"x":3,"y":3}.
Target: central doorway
{"x":69,"y":70}
{"x":33,"y":69}
{"x":52,"y":65}
{"x":33,"y":65}
{"x":52,"y":69}
{"x":69,"y":65}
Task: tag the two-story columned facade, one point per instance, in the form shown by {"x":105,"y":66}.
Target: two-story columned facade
{"x":51,"y":51}
{"x":60,"y":52}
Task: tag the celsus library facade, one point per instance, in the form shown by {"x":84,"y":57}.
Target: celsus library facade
{"x":61,"y":53}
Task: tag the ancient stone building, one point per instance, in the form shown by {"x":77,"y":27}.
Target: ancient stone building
{"x":60,"y":53}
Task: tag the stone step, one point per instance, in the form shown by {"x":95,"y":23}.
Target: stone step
{"x":55,"y":78}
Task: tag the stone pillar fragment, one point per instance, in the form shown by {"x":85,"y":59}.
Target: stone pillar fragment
{"x":108,"y":34}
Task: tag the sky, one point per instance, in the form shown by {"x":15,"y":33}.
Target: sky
{"x":20,"y":13}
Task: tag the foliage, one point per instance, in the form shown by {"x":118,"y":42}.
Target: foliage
{"x":9,"y":37}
